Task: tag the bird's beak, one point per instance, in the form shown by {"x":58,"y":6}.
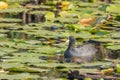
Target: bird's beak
{"x":67,"y":41}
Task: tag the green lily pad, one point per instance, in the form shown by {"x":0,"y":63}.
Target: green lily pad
{"x":14,"y":10}
{"x":75,"y":27}
{"x":3,"y":31}
{"x":33,"y":42}
{"x":24,"y":46}
{"x":8,"y":50}
{"x":21,"y":76}
{"x":50,"y":16}
{"x":46,"y":50}
{"x":114,"y":47}
{"x":115,"y":35}
{"x":118,"y":68}
{"x":2,"y":25}
{"x":21,"y":57}
{"x":49,"y":24}
{"x":30,"y":70}
{"x":60,"y":79}
{"x":60,"y":66}
{"x":2,"y":35}
{"x":40,"y":7}
{"x":114,"y":8}
{"x":107,"y":40}
{"x":95,"y":65}
{"x":4,"y":20}
{"x":67,"y":20}
{"x":85,"y":34}
{"x":68,"y":14}
{"x":6,"y":65}
{"x":2,"y":53}
{"x":38,"y":12}
{"x":88,"y":79}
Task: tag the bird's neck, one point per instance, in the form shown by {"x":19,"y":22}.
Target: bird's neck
{"x":71,"y":45}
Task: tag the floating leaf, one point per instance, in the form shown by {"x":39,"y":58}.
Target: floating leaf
{"x":30,"y":70}
{"x":115,"y":35}
{"x":114,"y":47}
{"x":108,"y":72}
{"x":2,"y":25}
{"x":118,"y":68}
{"x":85,"y":34}
{"x":63,"y":13}
{"x":22,"y":76}
{"x":4,"y":20}
{"x":114,"y":8}
{"x":67,"y":20}
{"x":6,"y":65}
{"x":107,"y":40}
{"x":2,"y":53}
{"x":50,"y":16}
{"x":38,"y":12}
{"x":14,"y":10}
{"x":88,"y":79}
{"x":75,"y":27}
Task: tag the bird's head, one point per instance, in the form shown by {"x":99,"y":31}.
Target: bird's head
{"x":71,"y":39}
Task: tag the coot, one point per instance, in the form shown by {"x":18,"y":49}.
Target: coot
{"x":84,"y":52}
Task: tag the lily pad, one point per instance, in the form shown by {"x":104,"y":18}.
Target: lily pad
{"x":114,"y":47}
{"x":50,"y":16}
{"x":118,"y":68}
{"x":14,"y":10}
{"x":30,"y":70}
{"x":115,"y":35}
{"x":19,"y":76}
{"x":2,"y":25}
{"x":2,"y":53}
{"x":114,"y":8}
{"x":107,"y":40}
{"x":6,"y":65}
{"x":4,"y":20}
{"x":65,"y":66}
{"x":85,"y":34}
{"x":67,"y":20}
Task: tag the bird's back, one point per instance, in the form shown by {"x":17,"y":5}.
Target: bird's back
{"x":85,"y":52}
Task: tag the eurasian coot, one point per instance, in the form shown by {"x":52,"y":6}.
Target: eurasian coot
{"x":84,"y":52}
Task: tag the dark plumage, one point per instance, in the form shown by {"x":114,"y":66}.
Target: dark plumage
{"x":85,"y":52}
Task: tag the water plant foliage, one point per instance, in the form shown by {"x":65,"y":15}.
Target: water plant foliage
{"x":33,"y":37}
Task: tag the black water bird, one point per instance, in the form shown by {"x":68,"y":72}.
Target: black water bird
{"x":84,"y":52}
